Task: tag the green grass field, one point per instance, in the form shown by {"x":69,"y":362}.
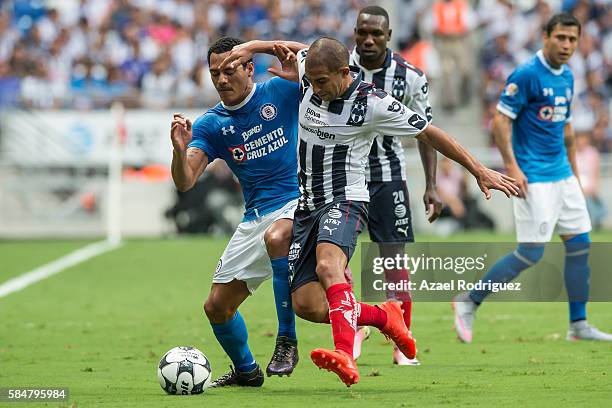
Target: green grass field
{"x":100,"y":328}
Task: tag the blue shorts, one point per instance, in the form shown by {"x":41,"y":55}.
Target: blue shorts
{"x":338,"y":222}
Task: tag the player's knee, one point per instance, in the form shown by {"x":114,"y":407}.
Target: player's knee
{"x":531,"y":252}
{"x":277,"y":238}
{"x":327,"y":270}
{"x":216,"y":311}
{"x":308,"y":310}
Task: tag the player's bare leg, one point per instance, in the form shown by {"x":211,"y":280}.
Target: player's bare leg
{"x":285,"y":356}
{"x":221,"y":308}
{"x":310,"y":303}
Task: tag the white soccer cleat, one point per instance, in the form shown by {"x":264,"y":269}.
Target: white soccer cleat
{"x":465,"y":312}
{"x":362,"y":334}
{"x":400,"y":359}
{"x":582,"y":330}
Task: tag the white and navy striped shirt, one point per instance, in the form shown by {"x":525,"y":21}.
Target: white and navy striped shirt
{"x":336,"y":137}
{"x":408,"y":85}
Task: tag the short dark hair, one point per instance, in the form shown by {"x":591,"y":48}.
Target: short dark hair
{"x":223,"y":44}
{"x":565,"y":19}
{"x":375,"y":11}
{"x":328,"y":52}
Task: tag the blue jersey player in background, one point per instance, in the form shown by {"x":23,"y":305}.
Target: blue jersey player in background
{"x":533,"y":131}
{"x":254,"y":130}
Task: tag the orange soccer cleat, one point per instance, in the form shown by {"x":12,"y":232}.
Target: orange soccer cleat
{"x":337,"y":361}
{"x":396,"y":330}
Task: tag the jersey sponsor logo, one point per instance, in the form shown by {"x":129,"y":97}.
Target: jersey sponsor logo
{"x":398,"y":89}
{"x":400,"y":211}
{"x":334,"y":213}
{"x":402,"y":221}
{"x":404,"y":230}
{"x":266,"y":144}
{"x":314,"y":117}
{"x":268,"y":111}
{"x":238,"y":153}
{"x":553,"y":113}
{"x":330,"y":230}
{"x":255,"y":129}
{"x":332,"y":221}
{"x":358,"y":113}
{"x":546,"y":112}
{"x":511,"y":89}
{"x":230,"y":129}
{"x":319,"y":133}
{"x":260,"y":147}
{"x":417,"y":122}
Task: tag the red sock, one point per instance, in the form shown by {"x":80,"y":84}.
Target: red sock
{"x":343,"y":316}
{"x":407,"y":312}
{"x":371,"y":316}
{"x":398,"y":275}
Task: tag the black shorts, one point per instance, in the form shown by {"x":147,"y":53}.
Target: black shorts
{"x":389,"y":212}
{"x":338,"y":222}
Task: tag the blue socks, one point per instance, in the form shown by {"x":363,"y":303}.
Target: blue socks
{"x":232,"y":335}
{"x":282,"y":298}
{"x":577,"y":274}
{"x":509,"y":267}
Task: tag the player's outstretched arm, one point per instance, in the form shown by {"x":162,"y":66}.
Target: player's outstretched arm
{"x":487,"y":179}
{"x":243,"y":53}
{"x":502,"y":133}
{"x":188,"y":164}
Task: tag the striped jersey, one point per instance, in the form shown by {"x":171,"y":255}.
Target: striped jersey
{"x":335,"y":138}
{"x":407,"y":84}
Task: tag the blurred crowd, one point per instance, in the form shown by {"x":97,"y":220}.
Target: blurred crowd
{"x":152,"y":53}
{"x":85,"y":54}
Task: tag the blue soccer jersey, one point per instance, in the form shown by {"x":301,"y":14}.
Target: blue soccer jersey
{"x":538,"y":97}
{"x":258,"y":140}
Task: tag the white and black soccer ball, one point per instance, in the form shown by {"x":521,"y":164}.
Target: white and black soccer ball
{"x":183,"y":371}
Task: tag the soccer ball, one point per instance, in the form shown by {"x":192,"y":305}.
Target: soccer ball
{"x":183,"y":371}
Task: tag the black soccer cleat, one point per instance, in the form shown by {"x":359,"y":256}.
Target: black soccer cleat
{"x":285,"y":357}
{"x":253,"y":378}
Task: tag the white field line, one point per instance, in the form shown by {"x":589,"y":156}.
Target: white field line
{"x":57,"y":266}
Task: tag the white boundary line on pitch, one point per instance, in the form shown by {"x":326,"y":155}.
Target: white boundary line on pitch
{"x":42,"y":272}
